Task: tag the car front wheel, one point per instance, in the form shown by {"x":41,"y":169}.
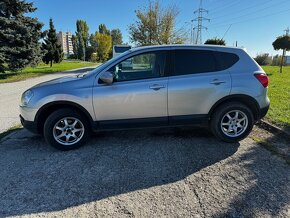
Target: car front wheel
{"x":66,"y":129}
{"x":232,"y":122}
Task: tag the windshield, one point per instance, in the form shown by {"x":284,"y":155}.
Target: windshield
{"x":104,"y":65}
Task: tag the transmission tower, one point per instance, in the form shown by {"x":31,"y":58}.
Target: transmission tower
{"x":287,"y":31}
{"x":200,"y":19}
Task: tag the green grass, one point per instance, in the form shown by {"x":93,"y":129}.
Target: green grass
{"x":279,"y":94}
{"x":42,"y":69}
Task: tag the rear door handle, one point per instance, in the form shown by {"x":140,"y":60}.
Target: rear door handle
{"x":217,"y":82}
{"x":156,"y":87}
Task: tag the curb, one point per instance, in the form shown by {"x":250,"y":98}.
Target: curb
{"x":272,"y":128}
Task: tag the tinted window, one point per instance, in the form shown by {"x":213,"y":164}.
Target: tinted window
{"x":143,"y":66}
{"x":226,"y":60}
{"x":194,"y":61}
{"x":121,"y":49}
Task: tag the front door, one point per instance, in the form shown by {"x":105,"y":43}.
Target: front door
{"x":138,"y":93}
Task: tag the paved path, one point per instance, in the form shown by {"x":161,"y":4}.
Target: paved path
{"x":10,"y":94}
{"x":142,"y":173}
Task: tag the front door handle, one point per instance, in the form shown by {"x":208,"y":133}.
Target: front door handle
{"x":156,"y":87}
{"x":217,"y":82}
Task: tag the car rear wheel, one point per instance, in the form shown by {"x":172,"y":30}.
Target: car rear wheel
{"x":66,"y":129}
{"x":232,"y":122}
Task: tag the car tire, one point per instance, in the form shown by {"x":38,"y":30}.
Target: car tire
{"x":66,"y":129}
{"x":232,"y":122}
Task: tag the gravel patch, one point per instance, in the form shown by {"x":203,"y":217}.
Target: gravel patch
{"x":175,"y":172}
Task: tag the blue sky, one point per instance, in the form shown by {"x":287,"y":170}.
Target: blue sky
{"x":255,"y":23}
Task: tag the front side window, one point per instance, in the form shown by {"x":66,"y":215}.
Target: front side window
{"x":194,"y":61}
{"x":142,"y":66}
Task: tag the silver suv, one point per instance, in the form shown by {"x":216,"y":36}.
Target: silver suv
{"x":219,"y":87}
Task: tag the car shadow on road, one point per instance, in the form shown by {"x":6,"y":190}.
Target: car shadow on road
{"x":36,"y":178}
{"x":270,"y":169}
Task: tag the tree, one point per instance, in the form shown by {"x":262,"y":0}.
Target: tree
{"x":215,"y":41}
{"x":82,"y":37}
{"x":103,"y":29}
{"x":51,"y":47}
{"x":155,"y":26}
{"x":75,"y":46}
{"x":19,"y":35}
{"x":104,"y":45}
{"x":117,"y":38}
{"x":282,"y":42}
{"x":263,"y":59}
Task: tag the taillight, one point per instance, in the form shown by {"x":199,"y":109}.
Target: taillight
{"x":263,"y":79}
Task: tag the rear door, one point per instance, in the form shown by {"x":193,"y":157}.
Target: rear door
{"x":196,"y":83}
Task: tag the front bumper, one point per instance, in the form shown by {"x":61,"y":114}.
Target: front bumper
{"x":29,"y":125}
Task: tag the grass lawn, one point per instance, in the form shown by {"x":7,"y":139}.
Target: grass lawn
{"x":42,"y":69}
{"x":279,"y":94}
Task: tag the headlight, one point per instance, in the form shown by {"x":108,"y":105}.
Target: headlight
{"x":26,"y":96}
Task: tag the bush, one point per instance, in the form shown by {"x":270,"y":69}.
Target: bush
{"x":263,"y":59}
{"x":215,"y":41}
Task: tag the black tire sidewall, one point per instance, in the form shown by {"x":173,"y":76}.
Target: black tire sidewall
{"x":219,"y":114}
{"x":53,"y":119}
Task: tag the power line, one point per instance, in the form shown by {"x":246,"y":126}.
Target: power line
{"x":257,"y":11}
{"x":191,"y":31}
{"x":233,"y":3}
{"x":287,"y":31}
{"x":254,"y":18}
{"x":237,"y":12}
{"x":227,"y":31}
{"x":199,"y":20}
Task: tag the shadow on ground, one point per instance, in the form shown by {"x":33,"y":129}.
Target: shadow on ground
{"x":271,"y":192}
{"x":36,"y":178}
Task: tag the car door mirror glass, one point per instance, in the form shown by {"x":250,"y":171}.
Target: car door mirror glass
{"x":107,"y":78}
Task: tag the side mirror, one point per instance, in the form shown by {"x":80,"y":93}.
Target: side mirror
{"x":107,"y":78}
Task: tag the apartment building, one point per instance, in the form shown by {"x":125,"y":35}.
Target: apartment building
{"x":64,"y":38}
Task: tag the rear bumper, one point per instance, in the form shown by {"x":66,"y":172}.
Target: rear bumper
{"x":263,"y":111}
{"x":29,"y":125}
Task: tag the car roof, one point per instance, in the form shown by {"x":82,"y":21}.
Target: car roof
{"x":187,"y":46}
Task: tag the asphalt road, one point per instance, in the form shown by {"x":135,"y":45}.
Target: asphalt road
{"x":142,"y":173}
{"x":10,"y":94}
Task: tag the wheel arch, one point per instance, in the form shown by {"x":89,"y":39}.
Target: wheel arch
{"x":49,"y":108}
{"x":245,"y":99}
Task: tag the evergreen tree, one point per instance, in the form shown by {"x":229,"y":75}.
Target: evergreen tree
{"x":19,"y":35}
{"x":52,"y":49}
{"x":75,"y":46}
{"x":82,"y":37}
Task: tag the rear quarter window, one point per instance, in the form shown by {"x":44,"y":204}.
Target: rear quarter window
{"x":226,"y":60}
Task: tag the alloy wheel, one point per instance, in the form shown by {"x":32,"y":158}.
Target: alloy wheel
{"x":234,"y":123}
{"x":68,"y":131}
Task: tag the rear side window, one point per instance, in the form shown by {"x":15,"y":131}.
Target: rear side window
{"x":226,"y":60}
{"x":194,"y":61}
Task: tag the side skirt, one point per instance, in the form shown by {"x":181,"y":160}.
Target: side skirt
{"x":152,"y":122}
